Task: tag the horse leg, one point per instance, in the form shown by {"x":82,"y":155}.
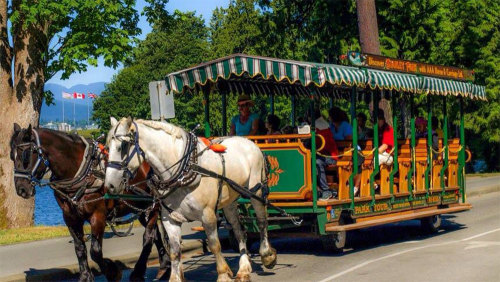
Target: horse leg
{"x":173,"y":230}
{"x":267,"y":253}
{"x":165,"y":265}
{"x":209,"y":221}
{"x":76,"y":231}
{"x":107,"y":266}
{"x":147,"y":243}
{"x":245,"y":267}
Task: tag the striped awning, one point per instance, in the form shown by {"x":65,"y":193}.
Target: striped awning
{"x":393,"y":81}
{"x":439,"y":86}
{"x":278,"y":70}
{"x":255,"y":74}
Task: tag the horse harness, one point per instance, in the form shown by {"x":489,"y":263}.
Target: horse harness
{"x":188,"y":170}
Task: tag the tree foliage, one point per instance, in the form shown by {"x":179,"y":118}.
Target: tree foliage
{"x":462,"y":33}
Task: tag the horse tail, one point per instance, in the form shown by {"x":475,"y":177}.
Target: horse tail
{"x":265,"y":176}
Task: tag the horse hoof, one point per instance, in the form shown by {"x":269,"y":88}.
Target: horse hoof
{"x":113,"y":273}
{"x":163,"y":273}
{"x":135,"y":276}
{"x":243,"y":278}
{"x":269,"y":259}
{"x":86,"y":277}
{"x":225,"y":277}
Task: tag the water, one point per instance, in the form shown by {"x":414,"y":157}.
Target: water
{"x":47,"y":211}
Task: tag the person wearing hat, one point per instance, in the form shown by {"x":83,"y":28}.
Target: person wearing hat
{"x":246,"y":123}
{"x":421,"y":127}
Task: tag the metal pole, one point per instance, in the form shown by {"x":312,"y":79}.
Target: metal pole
{"x":429,"y":144}
{"x":412,"y":149}
{"x":224,"y":113}
{"x":461,"y":157}
{"x":395,"y":166}
{"x":376,"y":167}
{"x":445,"y":144}
{"x":206,"y":92}
{"x":354,"y":94}
{"x":313,"y":154}
{"x":271,"y":103}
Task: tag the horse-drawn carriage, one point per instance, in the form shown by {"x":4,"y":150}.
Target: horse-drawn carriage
{"x":422,"y":183}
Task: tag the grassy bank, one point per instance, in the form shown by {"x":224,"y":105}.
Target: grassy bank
{"x":488,"y":174}
{"x":36,"y":233}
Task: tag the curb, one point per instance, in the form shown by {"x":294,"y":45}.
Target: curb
{"x":189,"y":248}
{"x":482,"y":190}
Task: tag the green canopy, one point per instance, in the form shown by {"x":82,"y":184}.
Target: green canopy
{"x":244,"y":73}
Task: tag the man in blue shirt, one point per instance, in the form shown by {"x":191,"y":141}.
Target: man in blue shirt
{"x":340,"y":127}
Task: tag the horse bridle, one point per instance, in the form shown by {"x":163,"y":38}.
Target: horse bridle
{"x":123,"y":165}
{"x":31,"y":174}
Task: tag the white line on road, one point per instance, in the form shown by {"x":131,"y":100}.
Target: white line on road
{"x":401,"y":253}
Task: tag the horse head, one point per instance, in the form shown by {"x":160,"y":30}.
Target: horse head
{"x":123,"y":147}
{"x":29,"y":166}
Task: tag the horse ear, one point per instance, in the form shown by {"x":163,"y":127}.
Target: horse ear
{"x":17,"y":127}
{"x":29,"y":128}
{"x":113,"y":121}
{"x":129,"y":121}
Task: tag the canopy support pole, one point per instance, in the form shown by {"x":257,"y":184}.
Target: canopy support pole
{"x":395,"y":165}
{"x":412,"y":148}
{"x":206,"y":92}
{"x":313,"y":154}
{"x":461,"y":156}
{"x":445,"y":144}
{"x":429,"y":144}
{"x":271,"y":103}
{"x":354,"y":93}
{"x":376,"y":168}
{"x":224,"y":113}
{"x":293,"y":110}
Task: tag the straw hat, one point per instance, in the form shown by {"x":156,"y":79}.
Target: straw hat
{"x":244,"y":99}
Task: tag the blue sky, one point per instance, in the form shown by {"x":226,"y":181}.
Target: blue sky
{"x":101,"y":73}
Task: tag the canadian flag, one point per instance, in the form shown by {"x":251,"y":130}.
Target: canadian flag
{"x":78,"y":95}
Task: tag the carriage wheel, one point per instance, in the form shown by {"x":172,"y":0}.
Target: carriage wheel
{"x":334,"y":242}
{"x":431,"y":224}
{"x":121,"y":230}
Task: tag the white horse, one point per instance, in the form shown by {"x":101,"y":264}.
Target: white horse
{"x":163,"y":145}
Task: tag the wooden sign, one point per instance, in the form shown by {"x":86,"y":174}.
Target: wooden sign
{"x":390,"y":64}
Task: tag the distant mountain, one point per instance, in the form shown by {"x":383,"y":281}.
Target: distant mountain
{"x":55,"y":112}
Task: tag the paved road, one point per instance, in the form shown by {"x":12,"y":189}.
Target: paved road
{"x":303,"y":259}
{"x":466,"y":249}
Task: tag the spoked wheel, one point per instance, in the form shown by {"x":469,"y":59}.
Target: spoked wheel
{"x":334,"y":242}
{"x":121,"y":230}
{"x":431,"y":224}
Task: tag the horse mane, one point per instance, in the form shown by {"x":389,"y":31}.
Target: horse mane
{"x":72,"y":137}
{"x":169,"y":128}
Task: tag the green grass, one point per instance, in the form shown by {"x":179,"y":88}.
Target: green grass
{"x":88,"y":133}
{"x":36,"y":233}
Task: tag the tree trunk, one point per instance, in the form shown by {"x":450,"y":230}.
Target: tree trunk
{"x":20,"y":102}
{"x":368,"y":39}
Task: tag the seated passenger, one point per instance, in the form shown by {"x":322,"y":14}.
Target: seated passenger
{"x":420,"y":127}
{"x":273,"y":125}
{"x":386,"y":140}
{"x":340,"y":127}
{"x":246,"y":123}
{"x":327,"y":156}
{"x":364,"y":132}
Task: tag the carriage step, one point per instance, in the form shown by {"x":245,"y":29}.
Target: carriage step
{"x":396,"y":217}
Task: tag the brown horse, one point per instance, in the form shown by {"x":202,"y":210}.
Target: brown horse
{"x":79,"y":194}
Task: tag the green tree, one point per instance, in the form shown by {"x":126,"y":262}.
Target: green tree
{"x":46,"y":37}
{"x":182,"y":44}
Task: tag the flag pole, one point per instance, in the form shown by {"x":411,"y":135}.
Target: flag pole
{"x":88,"y":113}
{"x":63,"y":110}
{"x":74,"y":122}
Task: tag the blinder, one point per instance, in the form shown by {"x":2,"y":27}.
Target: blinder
{"x":126,"y":158}
{"x":29,"y":171}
